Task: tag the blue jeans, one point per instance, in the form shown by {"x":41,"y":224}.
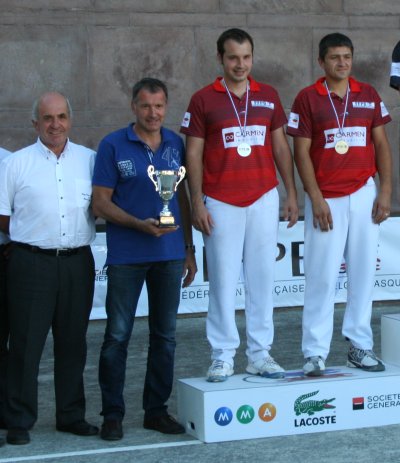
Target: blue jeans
{"x":125,"y":283}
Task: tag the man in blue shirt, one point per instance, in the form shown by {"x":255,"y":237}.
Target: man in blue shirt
{"x":139,"y":251}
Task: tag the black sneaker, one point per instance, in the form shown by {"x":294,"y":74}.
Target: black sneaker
{"x":364,"y":359}
{"x":111,"y":430}
{"x":164,"y":423}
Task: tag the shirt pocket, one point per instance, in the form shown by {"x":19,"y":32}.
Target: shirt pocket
{"x":83,"y":191}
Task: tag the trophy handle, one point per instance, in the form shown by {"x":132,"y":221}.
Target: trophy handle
{"x":181,"y":175}
{"x":150,"y":173}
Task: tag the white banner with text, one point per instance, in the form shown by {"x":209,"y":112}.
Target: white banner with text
{"x":289,"y":272}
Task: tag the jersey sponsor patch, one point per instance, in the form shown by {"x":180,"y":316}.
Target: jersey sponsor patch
{"x":255,"y":135}
{"x":186,"y":120}
{"x":263,"y":104}
{"x":364,"y":104}
{"x":294,"y":120}
{"x":353,"y":136}
{"x":384,"y":111}
{"x":126,"y":168}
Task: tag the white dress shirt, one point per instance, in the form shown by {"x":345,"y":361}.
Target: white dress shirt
{"x":48,"y":198}
{"x":3,"y":237}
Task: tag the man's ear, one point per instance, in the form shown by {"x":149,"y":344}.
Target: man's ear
{"x":133,"y":107}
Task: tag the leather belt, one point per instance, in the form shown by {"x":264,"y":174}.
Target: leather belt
{"x":58,"y":252}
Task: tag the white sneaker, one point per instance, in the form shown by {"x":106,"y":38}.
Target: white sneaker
{"x":315,"y":366}
{"x":266,"y":367}
{"x":219,"y":371}
{"x":364,"y":359}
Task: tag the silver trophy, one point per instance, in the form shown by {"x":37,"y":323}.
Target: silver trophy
{"x":166,"y":183}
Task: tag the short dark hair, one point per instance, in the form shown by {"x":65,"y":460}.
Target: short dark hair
{"x":334,"y":40}
{"x":151,"y":85}
{"x":238,"y":35}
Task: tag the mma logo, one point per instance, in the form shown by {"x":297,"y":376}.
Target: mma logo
{"x":245,"y":414}
{"x":267,"y":412}
{"x":223,"y":416}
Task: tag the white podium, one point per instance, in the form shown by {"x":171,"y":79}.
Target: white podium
{"x":248,"y":407}
{"x":390,"y":335}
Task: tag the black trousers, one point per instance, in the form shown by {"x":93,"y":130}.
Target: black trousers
{"x":47,"y":291}
{"x":4,"y":331}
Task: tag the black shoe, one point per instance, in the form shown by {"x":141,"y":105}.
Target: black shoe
{"x":164,"y":423}
{"x":18,"y":436}
{"x":2,"y":424}
{"x":111,"y":430}
{"x":79,"y":428}
{"x":2,"y":441}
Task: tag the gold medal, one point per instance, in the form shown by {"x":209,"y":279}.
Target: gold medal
{"x":341,"y":147}
{"x":244,"y":150}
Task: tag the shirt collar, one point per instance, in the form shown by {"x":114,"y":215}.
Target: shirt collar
{"x":321,"y":89}
{"x":132,"y":136}
{"x":43,"y":149}
{"x":219,"y":87}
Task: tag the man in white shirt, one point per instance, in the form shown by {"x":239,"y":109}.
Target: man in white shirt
{"x":4,"y":330}
{"x":45,"y":197}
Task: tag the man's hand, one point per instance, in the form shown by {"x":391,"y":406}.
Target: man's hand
{"x":381,"y":208}
{"x":201,"y":218}
{"x":291,"y":211}
{"x":189,"y":268}
{"x":151,"y":227}
{"x":322,"y":215}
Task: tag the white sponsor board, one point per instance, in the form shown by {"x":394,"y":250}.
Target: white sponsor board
{"x":289,"y":275}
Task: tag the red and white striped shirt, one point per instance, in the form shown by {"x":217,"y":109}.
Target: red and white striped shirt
{"x":313,"y":117}
{"x":227,"y":176}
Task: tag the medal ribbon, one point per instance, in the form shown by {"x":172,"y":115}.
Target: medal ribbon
{"x":242,"y":127}
{"x":334,"y":109}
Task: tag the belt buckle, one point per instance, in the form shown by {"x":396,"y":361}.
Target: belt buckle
{"x":60,"y":250}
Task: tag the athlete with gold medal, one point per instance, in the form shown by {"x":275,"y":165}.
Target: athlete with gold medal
{"x":340,"y":144}
{"x":235,"y":136}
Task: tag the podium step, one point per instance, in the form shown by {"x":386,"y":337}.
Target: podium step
{"x":248,"y":407}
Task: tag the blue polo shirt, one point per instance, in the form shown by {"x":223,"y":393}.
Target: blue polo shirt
{"x":121,"y":164}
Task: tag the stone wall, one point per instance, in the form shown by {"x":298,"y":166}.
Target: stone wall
{"x":94,"y":50}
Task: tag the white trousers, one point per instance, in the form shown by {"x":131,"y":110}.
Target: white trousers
{"x":247,"y":234}
{"x":355,"y":237}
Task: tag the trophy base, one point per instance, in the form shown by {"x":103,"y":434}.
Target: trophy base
{"x":166,"y":221}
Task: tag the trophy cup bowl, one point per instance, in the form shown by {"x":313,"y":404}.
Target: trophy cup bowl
{"x":166,"y":182}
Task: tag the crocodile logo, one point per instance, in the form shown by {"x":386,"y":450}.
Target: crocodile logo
{"x":302,"y":406}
